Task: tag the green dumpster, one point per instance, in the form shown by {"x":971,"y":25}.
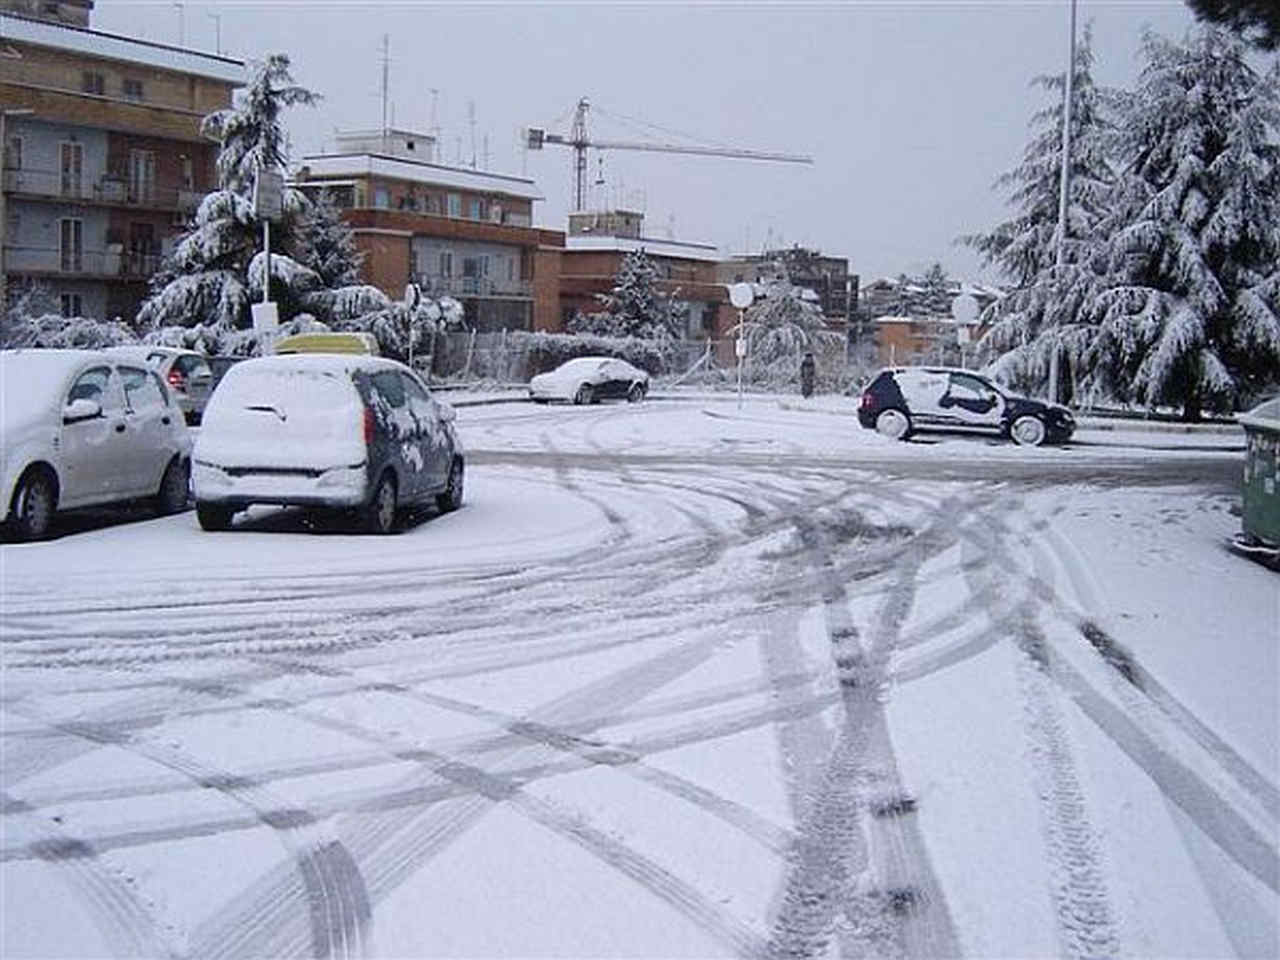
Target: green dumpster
{"x":1260,"y":534}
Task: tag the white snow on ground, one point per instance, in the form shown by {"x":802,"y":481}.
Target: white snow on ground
{"x":644,"y":695}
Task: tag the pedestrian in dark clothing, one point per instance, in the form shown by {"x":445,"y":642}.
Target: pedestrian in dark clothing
{"x":808,"y":369}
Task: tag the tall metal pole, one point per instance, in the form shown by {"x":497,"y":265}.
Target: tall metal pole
{"x":1064,"y":183}
{"x":578,"y":137}
{"x":386,"y":66}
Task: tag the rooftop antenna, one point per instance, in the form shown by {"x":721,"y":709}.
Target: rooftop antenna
{"x":435,"y":125}
{"x":217,"y":31}
{"x":182,"y":27}
{"x":471,"y":119}
{"x":386,"y":67}
{"x":486,"y":151}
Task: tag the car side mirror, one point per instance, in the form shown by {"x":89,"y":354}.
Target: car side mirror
{"x":447,"y":413}
{"x":82,"y":409}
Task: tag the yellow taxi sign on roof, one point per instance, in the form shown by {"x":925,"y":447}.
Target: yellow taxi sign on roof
{"x":364,"y":343}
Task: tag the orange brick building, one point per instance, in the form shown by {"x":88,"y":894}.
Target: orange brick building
{"x":454,"y":231}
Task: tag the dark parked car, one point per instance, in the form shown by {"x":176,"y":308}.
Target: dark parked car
{"x":901,"y":400}
{"x":341,"y":431}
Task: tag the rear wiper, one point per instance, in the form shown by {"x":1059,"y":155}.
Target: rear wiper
{"x":268,"y":408}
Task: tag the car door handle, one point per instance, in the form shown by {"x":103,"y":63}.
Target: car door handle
{"x":119,"y":428}
{"x":165,"y":419}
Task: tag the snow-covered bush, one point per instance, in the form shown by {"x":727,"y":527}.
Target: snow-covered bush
{"x":55,"y":330}
{"x":635,"y":307}
{"x":779,"y":327}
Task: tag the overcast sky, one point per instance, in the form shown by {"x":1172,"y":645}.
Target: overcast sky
{"x":909,"y":110}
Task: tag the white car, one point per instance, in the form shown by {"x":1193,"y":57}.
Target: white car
{"x":346,"y":432}
{"x":187,"y":373}
{"x":83,"y":428}
{"x":590,"y":380}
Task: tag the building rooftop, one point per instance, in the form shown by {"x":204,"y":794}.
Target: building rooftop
{"x":658,"y":248}
{"x":347,"y":165}
{"x":111,"y":46}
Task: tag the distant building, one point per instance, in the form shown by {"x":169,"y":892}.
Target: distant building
{"x":834,"y":289}
{"x":913,"y":324}
{"x":593,"y":253}
{"x":104,"y":161}
{"x":453,"y":231}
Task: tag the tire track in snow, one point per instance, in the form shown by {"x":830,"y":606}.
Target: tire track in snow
{"x":128,"y":924}
{"x":894,"y":907}
{"x":334,"y":891}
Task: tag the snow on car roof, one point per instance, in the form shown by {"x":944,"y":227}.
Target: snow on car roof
{"x":335,"y":362}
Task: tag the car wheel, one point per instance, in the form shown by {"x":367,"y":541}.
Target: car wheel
{"x":636,"y":393}
{"x":174,"y":488}
{"x":1028,"y":431}
{"x":33,"y":506}
{"x":214,"y":516}
{"x":451,"y":499}
{"x":895,"y":424}
{"x":379,"y":515}
{"x":584,"y":395}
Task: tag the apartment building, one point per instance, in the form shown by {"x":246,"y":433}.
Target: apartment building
{"x":103,"y":159}
{"x":594,"y":250}
{"x":453,"y":231}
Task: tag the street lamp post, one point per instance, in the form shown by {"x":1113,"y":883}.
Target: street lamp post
{"x":4,"y":206}
{"x":1064,"y":181}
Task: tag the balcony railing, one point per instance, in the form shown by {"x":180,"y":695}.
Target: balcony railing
{"x":435,"y":285}
{"x":85,"y":263}
{"x":107,"y":190}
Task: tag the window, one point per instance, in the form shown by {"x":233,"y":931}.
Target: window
{"x":477,"y":209}
{"x":72,"y":307}
{"x":71,"y":163}
{"x":141,"y":392}
{"x":381,"y":198}
{"x":13,"y":154}
{"x":12,"y":228}
{"x":142,"y":176}
{"x":71,"y":250}
{"x":455,"y":205}
{"x":188,"y":173}
{"x":446,"y":263}
{"x":91,"y":82}
{"x":390,"y":387}
{"x":90,"y":385}
{"x":132,"y":89}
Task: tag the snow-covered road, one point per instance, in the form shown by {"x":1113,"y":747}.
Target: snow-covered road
{"x":679,"y":680}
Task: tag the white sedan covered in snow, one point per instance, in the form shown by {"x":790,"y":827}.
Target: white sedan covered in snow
{"x":81,"y":428}
{"x":590,"y":380}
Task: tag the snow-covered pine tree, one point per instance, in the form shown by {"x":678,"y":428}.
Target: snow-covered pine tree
{"x":205,"y":279}
{"x":324,"y":243}
{"x":937,"y":291}
{"x":780,"y":326}
{"x":636,"y":305}
{"x":1046,"y":311}
{"x":1194,"y":321}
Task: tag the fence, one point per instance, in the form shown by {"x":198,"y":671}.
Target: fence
{"x":504,"y":359}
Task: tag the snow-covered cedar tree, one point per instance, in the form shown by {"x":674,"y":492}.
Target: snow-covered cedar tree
{"x":1047,"y":309}
{"x":25,"y":300}
{"x":779,"y":327}
{"x":638,"y":307}
{"x":204,"y":280}
{"x":1257,"y":21}
{"x":1194,"y":318}
{"x":325,"y":244}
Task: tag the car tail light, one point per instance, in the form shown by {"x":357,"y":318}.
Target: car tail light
{"x":176,"y":379}
{"x":368,"y":425}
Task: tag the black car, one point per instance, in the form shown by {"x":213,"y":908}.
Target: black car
{"x":901,"y":400}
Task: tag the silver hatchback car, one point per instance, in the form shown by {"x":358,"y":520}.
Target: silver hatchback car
{"x":79,"y":428}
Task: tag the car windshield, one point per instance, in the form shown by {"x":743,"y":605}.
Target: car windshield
{"x":30,"y":381}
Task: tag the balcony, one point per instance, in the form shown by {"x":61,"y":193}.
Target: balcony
{"x":107,"y":191}
{"x":434,"y":285}
{"x":88,"y":264}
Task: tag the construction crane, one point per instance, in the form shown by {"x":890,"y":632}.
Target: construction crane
{"x":580,"y":141}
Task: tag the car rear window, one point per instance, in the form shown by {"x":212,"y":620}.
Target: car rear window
{"x":292,"y":389}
